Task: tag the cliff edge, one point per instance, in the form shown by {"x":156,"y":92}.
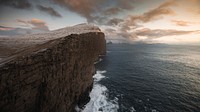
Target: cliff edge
{"x":49,"y":72}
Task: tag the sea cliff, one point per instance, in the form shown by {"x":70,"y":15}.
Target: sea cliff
{"x":50,"y":72}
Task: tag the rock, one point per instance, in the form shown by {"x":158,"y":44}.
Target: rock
{"x":52,"y":76}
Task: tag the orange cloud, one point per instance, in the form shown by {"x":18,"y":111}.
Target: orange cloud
{"x":157,"y":33}
{"x":153,"y":14}
{"x":35,"y":24}
{"x":132,"y":21}
{"x":181,"y":23}
{"x":38,"y":24}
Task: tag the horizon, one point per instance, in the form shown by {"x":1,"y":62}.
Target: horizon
{"x":136,"y":21}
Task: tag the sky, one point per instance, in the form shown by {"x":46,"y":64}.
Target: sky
{"x":145,"y":21}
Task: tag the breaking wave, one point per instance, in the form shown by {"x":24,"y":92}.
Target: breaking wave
{"x":99,"y":97}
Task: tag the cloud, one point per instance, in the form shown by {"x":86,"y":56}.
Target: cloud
{"x":110,"y":30}
{"x":114,"y":21}
{"x":126,"y":4}
{"x":157,"y":33}
{"x":38,"y":24}
{"x":31,"y":26}
{"x":19,"y":4}
{"x":113,"y":33}
{"x":91,"y":9}
{"x":83,"y":7}
{"x":127,"y":28}
{"x":181,"y":23}
{"x":49,"y":10}
{"x":23,"y":23}
{"x":35,"y":24}
{"x":156,"y":13}
{"x":112,"y":11}
{"x":10,"y":31}
{"x":3,"y":28}
{"x":133,"y":21}
{"x":128,"y":35}
{"x":120,"y":6}
{"x":95,"y":11}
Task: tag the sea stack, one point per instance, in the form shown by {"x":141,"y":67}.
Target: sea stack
{"x":49,"y":72}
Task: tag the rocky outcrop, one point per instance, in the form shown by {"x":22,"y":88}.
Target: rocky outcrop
{"x":53,"y":76}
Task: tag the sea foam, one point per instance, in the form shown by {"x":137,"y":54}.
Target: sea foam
{"x":99,"y":101}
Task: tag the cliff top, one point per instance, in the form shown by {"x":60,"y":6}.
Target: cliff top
{"x":14,"y":44}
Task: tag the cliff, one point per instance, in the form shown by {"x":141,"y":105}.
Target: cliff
{"x":50,"y":72}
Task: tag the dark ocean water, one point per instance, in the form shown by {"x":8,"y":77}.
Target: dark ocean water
{"x":148,"y":78}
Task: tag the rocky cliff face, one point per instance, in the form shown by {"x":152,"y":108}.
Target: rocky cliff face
{"x":53,"y":76}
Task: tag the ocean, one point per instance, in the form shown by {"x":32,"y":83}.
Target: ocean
{"x":147,"y":78}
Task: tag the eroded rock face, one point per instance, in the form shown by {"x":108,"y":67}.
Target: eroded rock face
{"x":52,"y":76}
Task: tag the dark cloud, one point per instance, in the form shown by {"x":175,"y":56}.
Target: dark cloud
{"x":126,"y":4}
{"x":114,"y":21}
{"x":121,"y":5}
{"x":19,"y":4}
{"x":112,"y":11}
{"x":91,"y":9}
{"x":35,"y":24}
{"x":154,"y":14}
{"x":49,"y":10}
{"x":157,"y":33}
{"x":83,"y":7}
{"x":127,"y":26}
{"x":133,"y":21}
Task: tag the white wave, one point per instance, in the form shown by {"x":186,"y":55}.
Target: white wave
{"x":98,"y":61}
{"x":98,"y":76}
{"x":99,"y":101}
